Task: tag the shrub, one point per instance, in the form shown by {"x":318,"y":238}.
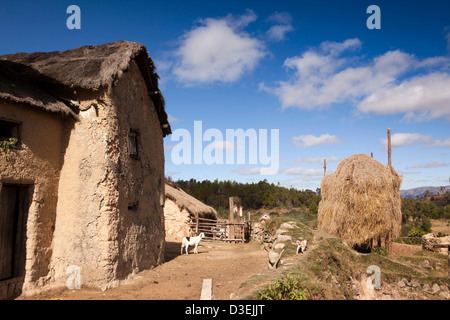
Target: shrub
{"x":416,"y":232}
{"x":286,"y":288}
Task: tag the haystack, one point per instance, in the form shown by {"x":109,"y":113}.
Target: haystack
{"x":361,"y":201}
{"x":180,"y":209}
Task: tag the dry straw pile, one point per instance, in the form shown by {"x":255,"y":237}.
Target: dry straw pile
{"x":361,"y":201}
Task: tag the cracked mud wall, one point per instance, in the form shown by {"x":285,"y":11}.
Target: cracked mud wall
{"x":36,"y":163}
{"x":109,"y":216}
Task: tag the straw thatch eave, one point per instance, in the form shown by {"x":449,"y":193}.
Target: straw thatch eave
{"x":361,"y":201}
{"x":16,"y":91}
{"x":195,"y":207}
{"x":66,"y":74}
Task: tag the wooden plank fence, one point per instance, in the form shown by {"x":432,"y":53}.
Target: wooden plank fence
{"x":221,"y":230}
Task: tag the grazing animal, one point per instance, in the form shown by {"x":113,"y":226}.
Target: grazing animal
{"x":301,"y":245}
{"x":191,"y":241}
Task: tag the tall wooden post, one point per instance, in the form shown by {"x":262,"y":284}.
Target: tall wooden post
{"x":388,"y":243}
{"x":371,"y":154}
{"x":389,"y":146}
{"x":324,"y":167}
{"x":231,"y":220}
{"x":196,"y":224}
{"x":389,"y":236}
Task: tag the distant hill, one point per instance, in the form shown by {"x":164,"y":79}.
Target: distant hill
{"x":412,"y":193}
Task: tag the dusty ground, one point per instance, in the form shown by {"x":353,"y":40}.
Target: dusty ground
{"x":181,"y":276}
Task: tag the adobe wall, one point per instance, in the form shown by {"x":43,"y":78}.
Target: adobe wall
{"x":140,"y":231}
{"x":176,"y":221}
{"x":82,"y":224}
{"x":36,"y":162}
{"x":95,"y":230}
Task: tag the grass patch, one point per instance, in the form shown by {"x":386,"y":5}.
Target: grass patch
{"x":330,"y":271}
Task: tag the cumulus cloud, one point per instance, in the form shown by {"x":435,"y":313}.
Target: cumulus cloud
{"x":218,"y":50}
{"x":305,"y":141}
{"x":422,"y":97}
{"x":410,"y":139}
{"x":282,"y":26}
{"x":393,"y":82}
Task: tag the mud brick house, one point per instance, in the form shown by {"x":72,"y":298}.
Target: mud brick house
{"x":83,"y":182}
{"x":181,"y":210}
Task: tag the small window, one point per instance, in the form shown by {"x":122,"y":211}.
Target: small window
{"x":133,"y":144}
{"x":9,"y":129}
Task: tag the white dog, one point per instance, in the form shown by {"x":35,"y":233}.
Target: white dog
{"x":301,"y":245}
{"x":191,"y":241}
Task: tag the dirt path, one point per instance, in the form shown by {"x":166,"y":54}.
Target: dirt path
{"x":181,"y":276}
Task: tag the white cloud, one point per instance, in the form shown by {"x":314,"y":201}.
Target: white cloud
{"x":283,"y":25}
{"x":309,"y":140}
{"x":410,"y":139}
{"x":300,"y":171}
{"x":223,"y":145}
{"x":440,"y":144}
{"x":278,"y":32}
{"x":317,"y":159}
{"x":171,"y":118}
{"x":330,"y":74}
{"x":248,"y":172}
{"x":218,"y":51}
{"x":428,"y":165}
{"x":422,"y":97}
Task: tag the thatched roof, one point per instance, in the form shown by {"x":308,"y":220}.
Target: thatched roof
{"x":361,"y":201}
{"x":15,"y":90}
{"x":192,"y":205}
{"x":65,"y":74}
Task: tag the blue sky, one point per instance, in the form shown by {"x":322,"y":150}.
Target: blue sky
{"x":310,"y":69}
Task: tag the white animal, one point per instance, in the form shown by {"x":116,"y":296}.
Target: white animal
{"x":301,"y":245}
{"x":191,"y":241}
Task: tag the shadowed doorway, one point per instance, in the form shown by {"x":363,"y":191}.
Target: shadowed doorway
{"x":14,"y":205}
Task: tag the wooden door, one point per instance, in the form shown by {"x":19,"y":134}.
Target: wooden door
{"x":14,"y":204}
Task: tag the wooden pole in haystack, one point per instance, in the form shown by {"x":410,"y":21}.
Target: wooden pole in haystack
{"x":371,"y":154}
{"x":389,"y":146}
{"x":388,"y":238}
{"x":324,"y":167}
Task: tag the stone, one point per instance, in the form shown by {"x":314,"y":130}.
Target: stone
{"x":273,"y":256}
{"x":287,"y":226}
{"x":401,"y":283}
{"x":435,"y":288}
{"x":283,"y":238}
{"x":431,"y":239}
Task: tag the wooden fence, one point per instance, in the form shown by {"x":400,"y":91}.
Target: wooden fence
{"x":222,"y":230}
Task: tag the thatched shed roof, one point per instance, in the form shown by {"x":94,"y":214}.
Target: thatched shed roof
{"x":64,"y":74}
{"x":195,"y":207}
{"x":361,"y":201}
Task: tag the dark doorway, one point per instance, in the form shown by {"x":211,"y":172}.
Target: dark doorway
{"x":14,"y":204}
